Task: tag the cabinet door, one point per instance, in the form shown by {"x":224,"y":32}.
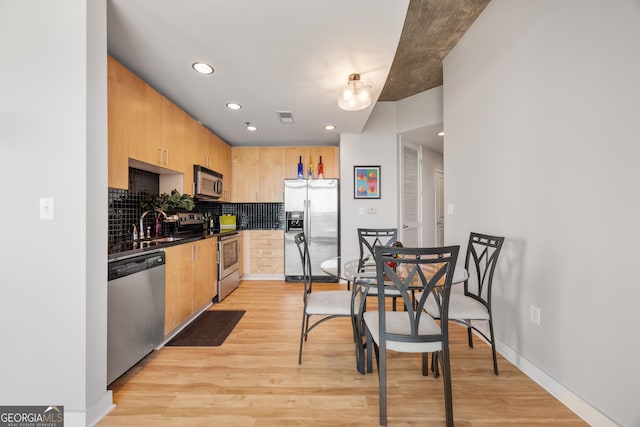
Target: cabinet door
{"x":117,"y":82}
{"x":178,"y":285}
{"x":330,"y":160}
{"x":204,"y":277}
{"x":140,"y":118}
{"x":271,"y":174}
{"x":202,"y":154}
{"x":177,"y":137}
{"x":135,"y":113}
{"x":244,"y":168}
{"x":292,"y":157}
{"x":224,"y":167}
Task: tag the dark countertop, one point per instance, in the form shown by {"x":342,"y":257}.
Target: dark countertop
{"x":128,"y":248}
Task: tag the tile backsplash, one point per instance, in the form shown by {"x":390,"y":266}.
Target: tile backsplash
{"x":124,"y":205}
{"x":125,"y":210}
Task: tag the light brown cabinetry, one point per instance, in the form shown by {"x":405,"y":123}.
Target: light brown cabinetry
{"x":245,"y":162}
{"x":266,"y":252}
{"x":178,"y":291}
{"x":190,"y":280}
{"x":271,"y":174}
{"x":259,"y":172}
{"x":148,"y":127}
{"x":134,"y":115}
{"x":221,"y":162}
{"x":330,"y":161}
{"x":205,"y":273}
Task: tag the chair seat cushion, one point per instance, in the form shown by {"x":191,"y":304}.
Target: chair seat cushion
{"x":330,"y":302}
{"x":398,"y":323}
{"x":460,"y":307}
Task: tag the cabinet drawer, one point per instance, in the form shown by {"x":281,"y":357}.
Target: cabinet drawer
{"x":267,"y":265}
{"x":266,"y":234}
{"x":267,"y":244}
{"x":267,"y":252}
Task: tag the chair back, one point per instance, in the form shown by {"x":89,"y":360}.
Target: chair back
{"x":369,"y":238}
{"x":409,"y":270}
{"x":480,"y":262}
{"x":305,"y":259}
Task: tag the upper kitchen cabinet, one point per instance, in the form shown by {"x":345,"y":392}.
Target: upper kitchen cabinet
{"x":245,"y":162}
{"x":177,"y":137}
{"x":221,"y":162}
{"x":172,"y":132}
{"x":330,"y":161}
{"x":135,"y":114}
{"x":258,"y":174}
{"x":270,"y":174}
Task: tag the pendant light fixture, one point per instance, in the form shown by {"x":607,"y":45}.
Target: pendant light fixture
{"x":355,"y":95}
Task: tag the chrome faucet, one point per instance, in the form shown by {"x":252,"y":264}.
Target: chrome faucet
{"x":160,"y":211}
{"x":142,"y":223}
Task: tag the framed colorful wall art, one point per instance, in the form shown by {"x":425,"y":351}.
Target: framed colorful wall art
{"x":366,"y":182}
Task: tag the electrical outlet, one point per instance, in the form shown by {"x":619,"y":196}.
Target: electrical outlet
{"x":535,"y":315}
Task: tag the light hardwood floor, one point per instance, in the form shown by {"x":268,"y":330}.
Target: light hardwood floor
{"x":254,"y":379}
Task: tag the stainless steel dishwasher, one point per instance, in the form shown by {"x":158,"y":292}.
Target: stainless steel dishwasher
{"x":135,"y":311}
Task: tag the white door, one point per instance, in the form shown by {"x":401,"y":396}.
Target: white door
{"x":410,"y":233}
{"x":439,"y":208}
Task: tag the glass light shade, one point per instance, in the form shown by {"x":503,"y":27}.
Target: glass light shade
{"x":356,"y":95}
{"x":202,"y":68}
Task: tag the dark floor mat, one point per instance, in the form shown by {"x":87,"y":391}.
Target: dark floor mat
{"x":210,"y":329}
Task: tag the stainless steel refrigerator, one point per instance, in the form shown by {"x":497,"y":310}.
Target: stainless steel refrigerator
{"x":311,"y":206}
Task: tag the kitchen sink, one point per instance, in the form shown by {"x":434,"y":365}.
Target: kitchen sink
{"x":158,"y":240}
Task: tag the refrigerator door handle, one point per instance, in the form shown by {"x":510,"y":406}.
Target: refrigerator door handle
{"x":309,"y":221}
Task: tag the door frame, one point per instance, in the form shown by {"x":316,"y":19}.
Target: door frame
{"x":419,"y":198}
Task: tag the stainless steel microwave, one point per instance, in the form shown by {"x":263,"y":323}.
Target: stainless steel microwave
{"x":208,"y":183}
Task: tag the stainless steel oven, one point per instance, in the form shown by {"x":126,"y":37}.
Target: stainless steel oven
{"x":228,"y":263}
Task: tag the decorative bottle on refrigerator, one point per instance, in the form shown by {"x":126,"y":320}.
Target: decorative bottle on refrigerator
{"x":310,"y":169}
{"x":300,"y":169}
{"x":320,"y":169}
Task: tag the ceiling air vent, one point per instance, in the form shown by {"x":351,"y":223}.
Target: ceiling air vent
{"x":286,"y":117}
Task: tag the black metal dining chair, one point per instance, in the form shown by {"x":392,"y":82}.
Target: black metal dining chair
{"x":327,"y":304}
{"x":475,"y":304}
{"x":429,"y":270}
{"x":368,"y":239}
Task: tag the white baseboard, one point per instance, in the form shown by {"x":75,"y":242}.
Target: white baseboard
{"x":92,"y":415}
{"x":581,"y":408}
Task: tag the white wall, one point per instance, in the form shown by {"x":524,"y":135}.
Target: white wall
{"x":376,"y":145}
{"x":541,"y":108}
{"x":52,"y":135}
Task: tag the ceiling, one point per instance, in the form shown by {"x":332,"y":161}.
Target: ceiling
{"x":284,"y":55}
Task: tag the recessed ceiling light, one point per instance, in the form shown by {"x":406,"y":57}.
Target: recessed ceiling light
{"x":441,"y":133}
{"x":203,"y":68}
{"x":250,"y":127}
{"x":233,"y":106}
{"x":329,"y":127}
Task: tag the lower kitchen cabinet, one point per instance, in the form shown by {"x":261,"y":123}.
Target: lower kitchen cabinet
{"x":205,"y":274}
{"x":190,"y":280}
{"x":266,"y":254}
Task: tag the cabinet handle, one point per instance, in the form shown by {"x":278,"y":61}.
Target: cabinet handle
{"x":167,"y":151}
{"x":160,"y":152}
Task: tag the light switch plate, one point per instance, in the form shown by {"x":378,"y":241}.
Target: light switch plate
{"x":450,"y":208}
{"x":46,"y":208}
{"x":372,"y":211}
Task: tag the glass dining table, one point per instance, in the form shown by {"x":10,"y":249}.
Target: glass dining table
{"x":363,"y":278}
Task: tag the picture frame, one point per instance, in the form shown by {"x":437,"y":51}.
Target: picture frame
{"x":366,"y":182}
